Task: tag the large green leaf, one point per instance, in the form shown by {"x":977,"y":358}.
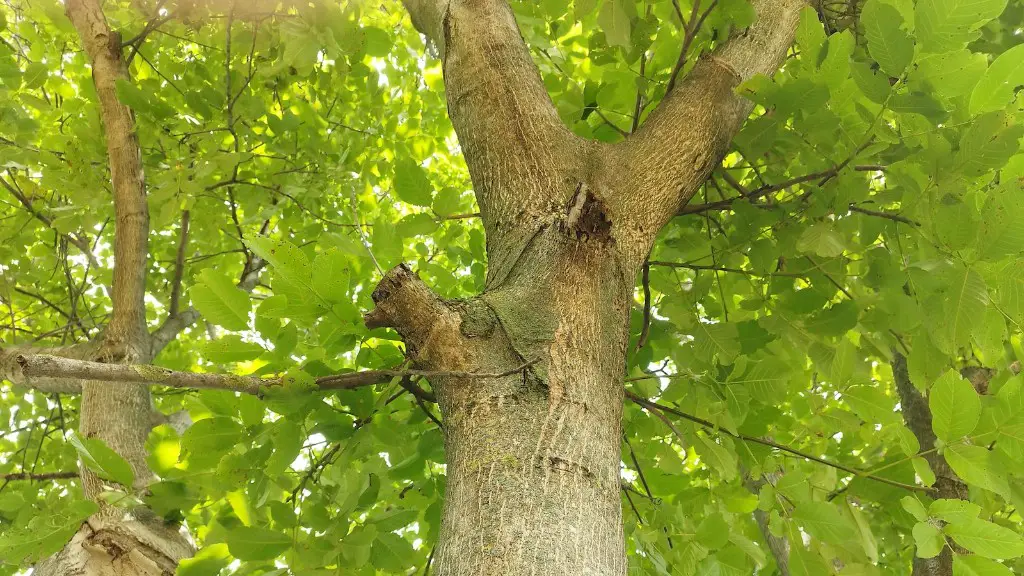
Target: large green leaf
{"x":955,"y":406}
{"x":978,"y":566}
{"x":254,"y":543}
{"x":986,"y":539}
{"x":220,"y":301}
{"x":999,"y":83}
{"x":976,"y":466}
{"x":411,"y":183}
{"x":104,"y":461}
{"x":888,"y":44}
{"x":944,"y":25}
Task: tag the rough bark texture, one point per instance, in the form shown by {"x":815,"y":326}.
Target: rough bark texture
{"x":114,"y":542}
{"x":533,"y":458}
{"x":918,"y":417}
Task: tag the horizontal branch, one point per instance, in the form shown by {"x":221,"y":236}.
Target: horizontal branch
{"x":38,"y":477}
{"x":42,"y":365}
{"x":654,"y":407}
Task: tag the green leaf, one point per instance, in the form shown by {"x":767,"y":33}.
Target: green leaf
{"x":986,"y":539}
{"x":614,"y":19}
{"x":945,"y":25}
{"x":231,"y":348}
{"x":332,"y":276}
{"x":391,"y":553}
{"x":721,"y":339}
{"x":996,"y":87}
{"x":824,"y":521}
{"x":254,"y":543}
{"x":35,"y":75}
{"x":974,"y":465}
{"x":914,"y":507}
{"x":713,"y":532}
{"x":211,"y":436}
{"x":953,"y":74}
{"x":810,"y":34}
{"x":719,"y":456}
{"x":411,"y":183}
{"x":209,"y":561}
{"x":286,"y":258}
{"x":955,"y":406}
{"x":888,"y":44}
{"x":822,"y":240}
{"x":963,"y":304}
{"x":928,"y":539}
{"x":45,"y":535}
{"x":953,"y":510}
{"x":220,"y":301}
{"x":142,"y":103}
{"x":102,"y":460}
{"x":978,"y":566}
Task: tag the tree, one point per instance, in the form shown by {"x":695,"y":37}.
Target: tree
{"x":749,"y":272}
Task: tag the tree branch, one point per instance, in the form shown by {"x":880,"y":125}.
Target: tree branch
{"x":179,"y":264}
{"x":77,"y":241}
{"x":687,"y":135}
{"x":38,"y":477}
{"x":11,"y":370}
{"x":42,"y":365}
{"x":769,"y":443}
{"x":518,"y":151}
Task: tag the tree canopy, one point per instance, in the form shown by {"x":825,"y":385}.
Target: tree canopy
{"x":824,"y":370}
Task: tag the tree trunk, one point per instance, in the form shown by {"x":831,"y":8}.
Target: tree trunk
{"x":918,"y":417}
{"x":533,"y":459}
{"x":115,"y":541}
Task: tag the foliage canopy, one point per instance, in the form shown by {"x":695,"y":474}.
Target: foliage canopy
{"x":870,"y":210}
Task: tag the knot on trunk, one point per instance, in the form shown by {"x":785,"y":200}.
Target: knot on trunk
{"x":587,"y":215}
{"x":428,"y":324}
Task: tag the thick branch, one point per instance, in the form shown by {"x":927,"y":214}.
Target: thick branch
{"x":686,"y":137}
{"x":10,"y":369}
{"x":120,"y":417}
{"x":918,"y":418}
{"x":38,"y":477}
{"x":518,"y":151}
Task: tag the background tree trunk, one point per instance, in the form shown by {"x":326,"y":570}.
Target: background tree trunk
{"x":918,"y":417}
{"x":115,"y":541}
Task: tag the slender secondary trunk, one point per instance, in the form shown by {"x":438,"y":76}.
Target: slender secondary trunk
{"x":114,"y":541}
{"x":918,"y":417}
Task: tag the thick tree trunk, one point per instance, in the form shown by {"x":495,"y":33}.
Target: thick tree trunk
{"x":533,"y":459}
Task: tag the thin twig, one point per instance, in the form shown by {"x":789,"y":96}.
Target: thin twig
{"x":179,"y":263}
{"x":38,"y":477}
{"x":711,"y":426}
